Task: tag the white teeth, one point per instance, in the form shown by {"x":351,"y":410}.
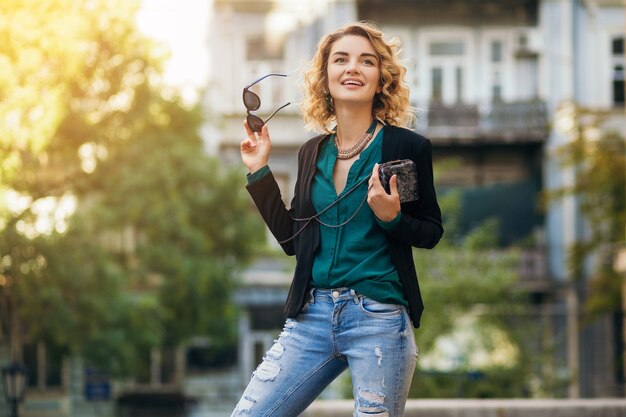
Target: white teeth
{"x":352,"y":82}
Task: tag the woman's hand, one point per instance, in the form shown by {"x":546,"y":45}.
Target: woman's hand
{"x":255,"y":149}
{"x":385,"y":206}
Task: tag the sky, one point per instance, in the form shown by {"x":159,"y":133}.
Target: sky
{"x":182,"y":26}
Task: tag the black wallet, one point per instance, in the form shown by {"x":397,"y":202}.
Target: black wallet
{"x":406,"y":176}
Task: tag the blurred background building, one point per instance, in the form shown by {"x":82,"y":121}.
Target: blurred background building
{"x":488,"y":78}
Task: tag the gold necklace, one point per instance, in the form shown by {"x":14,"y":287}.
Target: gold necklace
{"x":358,"y":146}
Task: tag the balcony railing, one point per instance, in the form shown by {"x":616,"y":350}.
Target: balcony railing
{"x":533,"y":270}
{"x":521,"y":121}
{"x":457,"y":115}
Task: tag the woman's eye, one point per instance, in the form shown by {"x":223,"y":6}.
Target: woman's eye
{"x":368,"y":62}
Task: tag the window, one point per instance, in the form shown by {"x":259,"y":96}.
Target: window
{"x":522,"y":41}
{"x":448,"y":63}
{"x":618,"y":85}
{"x":446,"y":48}
{"x":459,"y":84}
{"x":437,"y":77}
{"x":496,"y":87}
{"x":526,"y":85}
{"x":496,"y":92}
{"x":618,"y":46}
{"x":496,"y":51}
{"x":617,"y":49}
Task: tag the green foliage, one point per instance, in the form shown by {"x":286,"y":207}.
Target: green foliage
{"x":192,"y":228}
{"x":148,"y":258}
{"x":131,"y":328}
{"x":463,"y":272}
{"x":67,"y":292}
{"x":597,"y":156}
{"x":71,"y":73}
{"x":496,"y":382}
{"x":469,"y":276}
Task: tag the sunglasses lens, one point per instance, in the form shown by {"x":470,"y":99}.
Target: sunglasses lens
{"x":255,"y":123}
{"x":251,"y":100}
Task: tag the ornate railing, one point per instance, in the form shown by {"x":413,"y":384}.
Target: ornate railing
{"x":458,"y":115}
{"x":533,"y":269}
{"x":501,"y":121}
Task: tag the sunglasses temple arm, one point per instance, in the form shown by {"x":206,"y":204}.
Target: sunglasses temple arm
{"x":276,"y":111}
{"x":264,"y":77}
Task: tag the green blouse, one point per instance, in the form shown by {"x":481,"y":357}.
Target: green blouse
{"x":355,"y":255}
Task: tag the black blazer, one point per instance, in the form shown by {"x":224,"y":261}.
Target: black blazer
{"x":420,"y":224}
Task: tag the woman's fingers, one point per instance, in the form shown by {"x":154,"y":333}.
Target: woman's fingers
{"x":393,"y":185}
{"x":375,"y":182}
{"x":374,"y":179}
{"x":385,"y":206}
{"x":255,"y":149}
{"x":250,"y":143}
{"x":249,"y":131}
{"x":262,"y":136}
{"x":265,"y":135}
{"x":247,"y":145}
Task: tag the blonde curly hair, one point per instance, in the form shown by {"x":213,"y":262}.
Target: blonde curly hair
{"x":391,"y":106}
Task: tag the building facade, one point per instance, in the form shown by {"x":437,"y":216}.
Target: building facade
{"x":488,"y":79}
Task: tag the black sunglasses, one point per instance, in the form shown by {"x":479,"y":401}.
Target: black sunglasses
{"x":253,"y":102}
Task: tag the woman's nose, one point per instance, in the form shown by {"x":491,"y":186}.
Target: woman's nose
{"x":352,"y":67}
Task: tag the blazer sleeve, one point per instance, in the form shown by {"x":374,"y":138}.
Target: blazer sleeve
{"x":420,"y":224}
{"x":266,"y":196}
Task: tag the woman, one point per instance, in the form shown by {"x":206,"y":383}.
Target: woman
{"x":354,"y":294}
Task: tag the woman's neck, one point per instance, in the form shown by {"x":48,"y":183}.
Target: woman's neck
{"x":352,"y":123}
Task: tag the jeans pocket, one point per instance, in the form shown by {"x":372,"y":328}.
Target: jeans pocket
{"x":380,"y":309}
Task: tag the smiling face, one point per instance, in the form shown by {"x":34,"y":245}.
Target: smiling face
{"x":353,"y":71}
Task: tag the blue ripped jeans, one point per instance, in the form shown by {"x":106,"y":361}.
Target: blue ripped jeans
{"x":337,"y":329}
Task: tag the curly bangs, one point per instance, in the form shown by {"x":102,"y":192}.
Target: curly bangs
{"x":391,"y":106}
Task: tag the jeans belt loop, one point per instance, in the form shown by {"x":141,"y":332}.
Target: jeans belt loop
{"x":355,"y":296}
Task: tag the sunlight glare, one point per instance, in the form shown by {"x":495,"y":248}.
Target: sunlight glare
{"x":468,"y":346}
{"x":89,"y":154}
{"x":51,"y":214}
{"x":17,"y":202}
{"x":183,"y":27}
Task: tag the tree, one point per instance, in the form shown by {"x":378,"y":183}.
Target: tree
{"x":71,"y":295}
{"x":598,"y":155}
{"x":468,"y":280}
{"x":118,"y":234}
{"x":464,"y":272}
{"x":73,"y":74}
{"x":191,"y":226}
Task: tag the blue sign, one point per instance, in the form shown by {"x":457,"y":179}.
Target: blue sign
{"x":97,"y":385}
